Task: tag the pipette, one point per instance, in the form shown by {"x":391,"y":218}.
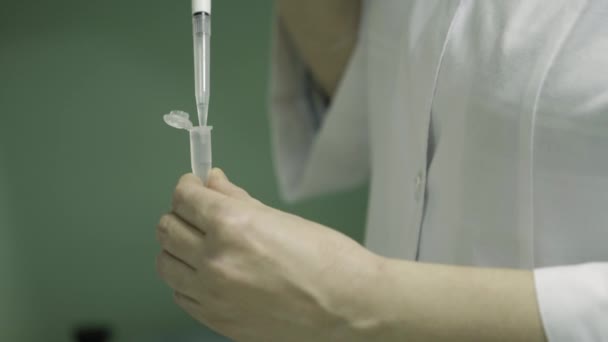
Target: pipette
{"x":201,"y":31}
{"x":200,"y":136}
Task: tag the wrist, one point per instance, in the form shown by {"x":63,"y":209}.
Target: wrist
{"x":358,"y":305}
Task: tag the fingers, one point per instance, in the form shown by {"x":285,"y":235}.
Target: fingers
{"x":198,"y":205}
{"x":175,"y":273}
{"x":192,"y":307}
{"x":219,"y":182}
{"x":188,"y":304}
{"x":205,"y":208}
{"x":180,"y":239}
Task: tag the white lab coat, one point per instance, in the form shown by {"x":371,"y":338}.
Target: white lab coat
{"x":482,"y":127}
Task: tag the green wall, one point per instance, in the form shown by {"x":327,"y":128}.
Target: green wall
{"x":14,"y":292}
{"x":89,"y":165}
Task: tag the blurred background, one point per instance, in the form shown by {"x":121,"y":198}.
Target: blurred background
{"x":87,"y":165}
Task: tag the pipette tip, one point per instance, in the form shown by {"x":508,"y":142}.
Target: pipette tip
{"x":202,"y":110}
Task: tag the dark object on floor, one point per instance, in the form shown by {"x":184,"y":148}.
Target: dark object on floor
{"x":92,"y":333}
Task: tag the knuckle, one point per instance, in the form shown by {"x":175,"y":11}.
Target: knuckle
{"x":183,"y":193}
{"x":184,"y":178}
{"x":235,"y":228}
{"x":218,"y":208}
{"x":219,"y":274}
{"x":213,"y":182}
{"x":224,"y":272}
{"x":215,"y":266}
{"x":164,"y":228}
{"x":219,"y":213}
{"x":188,"y":178}
{"x":235,"y":218}
{"x":179,"y":195}
{"x":228,"y":220}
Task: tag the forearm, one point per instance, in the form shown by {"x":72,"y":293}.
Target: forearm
{"x":324,"y":32}
{"x":425,"y":302}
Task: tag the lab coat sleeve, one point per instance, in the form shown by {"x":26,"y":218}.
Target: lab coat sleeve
{"x":314,"y":159}
{"x":573,"y":302}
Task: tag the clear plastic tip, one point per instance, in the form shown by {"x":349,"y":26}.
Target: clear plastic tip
{"x":201,"y":27}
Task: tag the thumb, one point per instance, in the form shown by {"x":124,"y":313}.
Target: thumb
{"x":218,"y":181}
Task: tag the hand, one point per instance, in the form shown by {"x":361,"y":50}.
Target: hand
{"x":254,"y":273}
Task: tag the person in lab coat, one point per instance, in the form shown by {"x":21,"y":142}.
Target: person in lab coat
{"x":482,"y":128}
